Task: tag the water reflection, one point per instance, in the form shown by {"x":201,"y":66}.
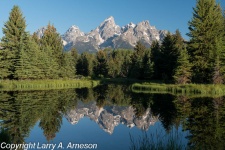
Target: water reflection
{"x":110,"y":106}
{"x":111,"y":116}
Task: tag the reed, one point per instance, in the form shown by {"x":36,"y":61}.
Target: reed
{"x":159,"y":141}
{"x":24,"y":85}
{"x":199,"y":90}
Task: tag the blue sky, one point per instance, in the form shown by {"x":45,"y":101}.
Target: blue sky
{"x":88,"y":14}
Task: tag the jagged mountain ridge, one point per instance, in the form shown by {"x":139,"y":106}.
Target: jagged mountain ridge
{"x":111,"y":116}
{"x":109,"y":35}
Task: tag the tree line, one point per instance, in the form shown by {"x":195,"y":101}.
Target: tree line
{"x":199,"y":60}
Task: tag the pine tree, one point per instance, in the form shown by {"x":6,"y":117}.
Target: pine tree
{"x":51,"y":42}
{"x":183,"y":68}
{"x":147,"y":65}
{"x":29,"y":62}
{"x":115,"y":62}
{"x":12,"y":42}
{"x":74,"y":55}
{"x":169,"y":55}
{"x":85,"y":64}
{"x":112,"y":66}
{"x":137,"y":69}
{"x":68,"y":68}
{"x":4,"y":64}
{"x":50,"y":64}
{"x":156,"y":57}
{"x":100,"y":69}
{"x":127,"y":63}
{"x":23,"y":69}
{"x":206,"y":32}
{"x":217,"y":72}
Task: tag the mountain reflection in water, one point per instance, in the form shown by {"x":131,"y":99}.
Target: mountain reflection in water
{"x":110,"y":106}
{"x":111,"y":116}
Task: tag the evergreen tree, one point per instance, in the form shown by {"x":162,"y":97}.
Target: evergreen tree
{"x":218,"y":72}
{"x":156,"y":57}
{"x":50,"y":66}
{"x":170,"y":52}
{"x":100,"y":68}
{"x":206,"y":34}
{"x":12,"y":42}
{"x":69,"y":66}
{"x":35,"y":38}
{"x":28,"y":60}
{"x":147,"y":65}
{"x":74,"y":55}
{"x":127,"y":63}
{"x":137,"y":69}
{"x":183,"y":69}
{"x":51,"y":41}
{"x":118,"y":63}
{"x":113,"y":66}
{"x":4,"y":64}
{"x":85,"y":64}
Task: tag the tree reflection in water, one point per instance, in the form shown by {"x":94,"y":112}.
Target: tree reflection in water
{"x":202,"y":117}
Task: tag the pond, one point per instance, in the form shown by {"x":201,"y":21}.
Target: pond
{"x":110,"y":117}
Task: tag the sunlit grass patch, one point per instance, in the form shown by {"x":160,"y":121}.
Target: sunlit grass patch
{"x":203,"y":90}
{"x":11,"y":85}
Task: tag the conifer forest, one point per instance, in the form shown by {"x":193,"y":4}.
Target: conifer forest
{"x":200,"y":59}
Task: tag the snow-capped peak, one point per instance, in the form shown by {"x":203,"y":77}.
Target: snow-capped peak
{"x":108,"y":28}
{"x":71,"y":34}
{"x":111,"y":18}
{"x":74,"y":27}
{"x":132,"y":25}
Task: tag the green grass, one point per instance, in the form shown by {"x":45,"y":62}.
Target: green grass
{"x":24,"y":85}
{"x":196,"y":90}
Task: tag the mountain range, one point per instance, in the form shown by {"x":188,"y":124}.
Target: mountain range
{"x":109,"y":35}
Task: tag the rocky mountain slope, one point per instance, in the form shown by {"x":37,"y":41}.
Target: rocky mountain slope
{"x":110,"y":35}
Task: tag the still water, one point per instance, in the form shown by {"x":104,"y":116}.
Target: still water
{"x":111,"y":117}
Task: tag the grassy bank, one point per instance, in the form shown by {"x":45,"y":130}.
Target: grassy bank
{"x":210,"y":90}
{"x":14,"y":85}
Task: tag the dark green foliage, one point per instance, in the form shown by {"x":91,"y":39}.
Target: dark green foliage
{"x":85,"y":64}
{"x":101,"y":68}
{"x":218,"y":72}
{"x":21,"y":110}
{"x":69,"y":66}
{"x":156,"y":57}
{"x":205,"y":117}
{"x":147,"y":65}
{"x":12,"y":43}
{"x":170,"y":49}
{"x":119,"y":63}
{"x":4,"y":136}
{"x":26,"y":57}
{"x":141,"y":63}
{"x":4,"y":64}
{"x":183,"y":68}
{"x":206,"y":43}
{"x":28,"y":60}
{"x":51,"y":43}
{"x":164,"y":56}
{"x":74,"y":54}
{"x":127,"y":63}
{"x":164,"y":107}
